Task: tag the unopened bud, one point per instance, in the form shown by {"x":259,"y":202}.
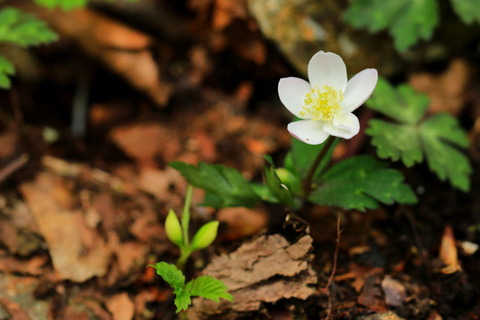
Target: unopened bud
{"x":173,"y":228}
{"x":205,"y":235}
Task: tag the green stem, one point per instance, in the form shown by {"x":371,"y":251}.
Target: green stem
{"x":307,"y":183}
{"x":186,"y":216}
{"x":185,"y":250}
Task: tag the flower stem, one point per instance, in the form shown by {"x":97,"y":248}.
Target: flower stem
{"x":307,"y":183}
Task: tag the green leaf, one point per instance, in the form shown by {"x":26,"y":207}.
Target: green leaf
{"x":208,"y":287}
{"x":6,"y":69}
{"x":63,"y":4}
{"x":23,"y":29}
{"x":66,"y":5}
{"x":225,"y":186}
{"x":171,"y":274}
{"x":468,"y":10}
{"x":277,"y":188}
{"x":182,"y":299}
{"x":412,"y":138}
{"x":406,"y":20}
{"x":361,"y":183}
{"x":441,"y":135}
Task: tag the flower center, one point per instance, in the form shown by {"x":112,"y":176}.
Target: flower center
{"x":322,"y":103}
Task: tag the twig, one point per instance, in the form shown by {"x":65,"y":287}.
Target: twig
{"x":13,"y":166}
{"x":334,"y":269}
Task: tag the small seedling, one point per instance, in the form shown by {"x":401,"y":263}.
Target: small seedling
{"x":204,"y":286}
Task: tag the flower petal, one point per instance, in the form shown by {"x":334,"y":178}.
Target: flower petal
{"x":345,"y":125}
{"x":359,"y":89}
{"x":327,"y":68}
{"x":308,"y":131}
{"x":292,"y":93}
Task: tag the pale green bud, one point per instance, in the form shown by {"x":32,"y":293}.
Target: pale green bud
{"x":173,"y":228}
{"x":205,"y":235}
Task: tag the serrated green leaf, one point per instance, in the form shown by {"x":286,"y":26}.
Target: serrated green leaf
{"x":208,"y":287}
{"x":441,"y":135}
{"x":302,"y":155}
{"x":182,"y":299}
{"x":467,"y":10}
{"x":171,"y":274}
{"x":413,"y":139}
{"x":277,"y":188}
{"x":23,"y":29}
{"x":225,"y":186}
{"x":395,"y":141}
{"x":402,"y":103}
{"x":407,"y":20}
{"x":361,"y":183}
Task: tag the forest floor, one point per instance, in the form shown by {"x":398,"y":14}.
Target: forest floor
{"x":86,"y":135}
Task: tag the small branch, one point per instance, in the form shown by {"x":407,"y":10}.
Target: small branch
{"x":307,"y":183}
{"x":13,"y":166}
{"x":334,"y":270}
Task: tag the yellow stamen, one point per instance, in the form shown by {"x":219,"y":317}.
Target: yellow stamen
{"x":322,"y":103}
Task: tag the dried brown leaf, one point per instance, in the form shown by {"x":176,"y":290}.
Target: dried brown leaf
{"x":265,"y":270}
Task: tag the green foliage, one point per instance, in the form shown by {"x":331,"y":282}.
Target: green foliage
{"x":6,"y":69}
{"x":62,"y":4}
{"x":361,"y":183}
{"x":23,"y":29}
{"x":406,"y":20}
{"x":209,"y":288}
{"x":277,"y":188}
{"x":411,"y":138}
{"x":468,"y":10}
{"x":66,"y":5}
{"x":225,"y":186}
{"x":204,"y":286}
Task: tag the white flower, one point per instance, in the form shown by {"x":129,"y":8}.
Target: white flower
{"x":326,"y":103}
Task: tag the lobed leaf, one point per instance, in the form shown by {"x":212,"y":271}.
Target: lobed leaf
{"x":467,"y":10}
{"x":171,"y":274}
{"x":182,"y":299}
{"x":406,"y":20}
{"x":412,"y":139}
{"x":208,"y":287}
{"x":441,"y":137}
{"x":361,"y":183}
{"x":225,"y":186}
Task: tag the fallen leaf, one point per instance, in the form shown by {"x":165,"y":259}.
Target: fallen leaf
{"x":448,"y":252}
{"x":124,"y":50}
{"x":446,"y":91}
{"x":394,"y":291}
{"x":390,"y":315}
{"x":265,"y":270}
{"x":64,"y":229}
{"x":145,"y":142}
{"x":241,"y":222}
{"x":121,"y":307}
{"x":371,"y":294}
